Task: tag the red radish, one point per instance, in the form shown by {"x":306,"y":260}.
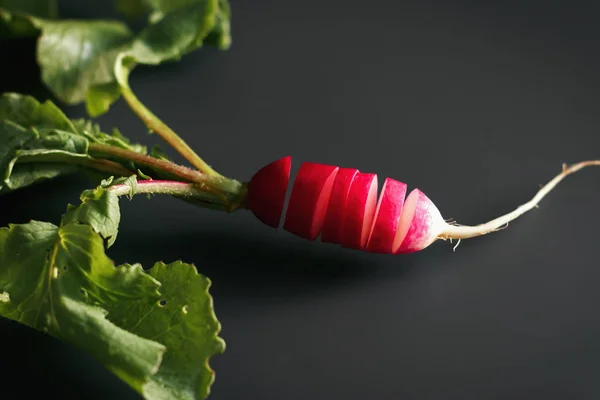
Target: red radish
{"x":420,"y":224}
{"x":355,"y":218}
{"x":359,"y":211}
{"x":267,"y":189}
{"x":387,"y":217}
{"x":332,"y":227}
{"x":308,"y":200}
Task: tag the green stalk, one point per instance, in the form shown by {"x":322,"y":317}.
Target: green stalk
{"x":221,"y":184}
{"x":187,"y":192}
{"x":156,"y":125}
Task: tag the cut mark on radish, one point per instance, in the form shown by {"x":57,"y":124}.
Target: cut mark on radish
{"x":309,"y":198}
{"x":408,"y":212}
{"x":387,"y":217}
{"x":359,"y":211}
{"x":334,"y":216}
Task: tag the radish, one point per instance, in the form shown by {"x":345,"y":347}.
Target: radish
{"x":332,"y":227}
{"x":358,"y":211}
{"x":308,"y":200}
{"x":420,"y":224}
{"x":267,"y":189}
{"x":387,"y":217}
{"x":343,"y":203}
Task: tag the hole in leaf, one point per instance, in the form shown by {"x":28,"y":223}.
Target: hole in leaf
{"x":185,"y":309}
{"x":4,"y":297}
{"x":64,"y":267}
{"x":162,"y":303}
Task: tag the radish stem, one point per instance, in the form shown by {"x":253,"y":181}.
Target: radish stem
{"x":455,"y":231}
{"x":185,"y":191}
{"x":219,"y":183}
{"x":153,"y":123}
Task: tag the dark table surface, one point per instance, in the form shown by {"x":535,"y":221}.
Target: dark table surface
{"x":475,"y":103}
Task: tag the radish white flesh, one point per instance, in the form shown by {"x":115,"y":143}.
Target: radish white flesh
{"x":387,"y":217}
{"x":267,"y":189}
{"x":332,"y":227}
{"x":420,"y":224}
{"x":359,"y":211}
{"x":309,"y":198}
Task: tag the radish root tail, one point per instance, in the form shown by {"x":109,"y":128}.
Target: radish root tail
{"x":456,"y":231}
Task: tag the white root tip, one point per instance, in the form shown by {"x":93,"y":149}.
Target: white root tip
{"x":453,"y":230}
{"x":455,"y":246}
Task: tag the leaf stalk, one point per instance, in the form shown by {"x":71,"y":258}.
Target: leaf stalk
{"x":153,"y":123}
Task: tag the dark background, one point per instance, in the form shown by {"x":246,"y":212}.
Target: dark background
{"x":475,"y":104}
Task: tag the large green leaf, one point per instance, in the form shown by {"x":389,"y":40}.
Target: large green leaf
{"x":155,"y":330}
{"x":77,"y":57}
{"x":186,"y":308}
{"x":54,"y":277}
{"x":38,"y":141}
{"x":179,"y":31}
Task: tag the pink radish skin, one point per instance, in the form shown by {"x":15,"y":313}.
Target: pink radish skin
{"x":387,"y":217}
{"x":267,"y":189}
{"x":421,"y":226}
{"x":359,"y":211}
{"x":308,"y":200}
{"x":332,"y":227}
{"x":355,"y":218}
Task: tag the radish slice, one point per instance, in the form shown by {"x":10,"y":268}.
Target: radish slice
{"x":359,"y":211}
{"x":387,"y":217}
{"x":309,"y":198}
{"x":332,"y":227}
{"x":267,"y":189}
{"x":420,"y":224}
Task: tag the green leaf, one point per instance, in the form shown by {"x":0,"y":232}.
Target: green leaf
{"x":38,"y":8}
{"x":76,"y":55}
{"x":184,"y":320}
{"x":28,"y":112}
{"x":100,"y":209}
{"x":99,"y":98}
{"x":157,"y":152}
{"x":79,"y":59}
{"x":57,"y":278}
{"x":31,"y":166}
{"x":132,"y":8}
{"x":38,"y":141}
{"x":175,"y":34}
{"x":55,"y":152}
{"x":155,"y":330}
{"x":92,"y":131}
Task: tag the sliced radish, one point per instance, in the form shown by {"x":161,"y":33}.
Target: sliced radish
{"x":267,"y":189}
{"x":387,"y":217}
{"x":359,"y":211}
{"x":308,"y":200}
{"x":332,"y":227}
{"x":420,"y":224}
